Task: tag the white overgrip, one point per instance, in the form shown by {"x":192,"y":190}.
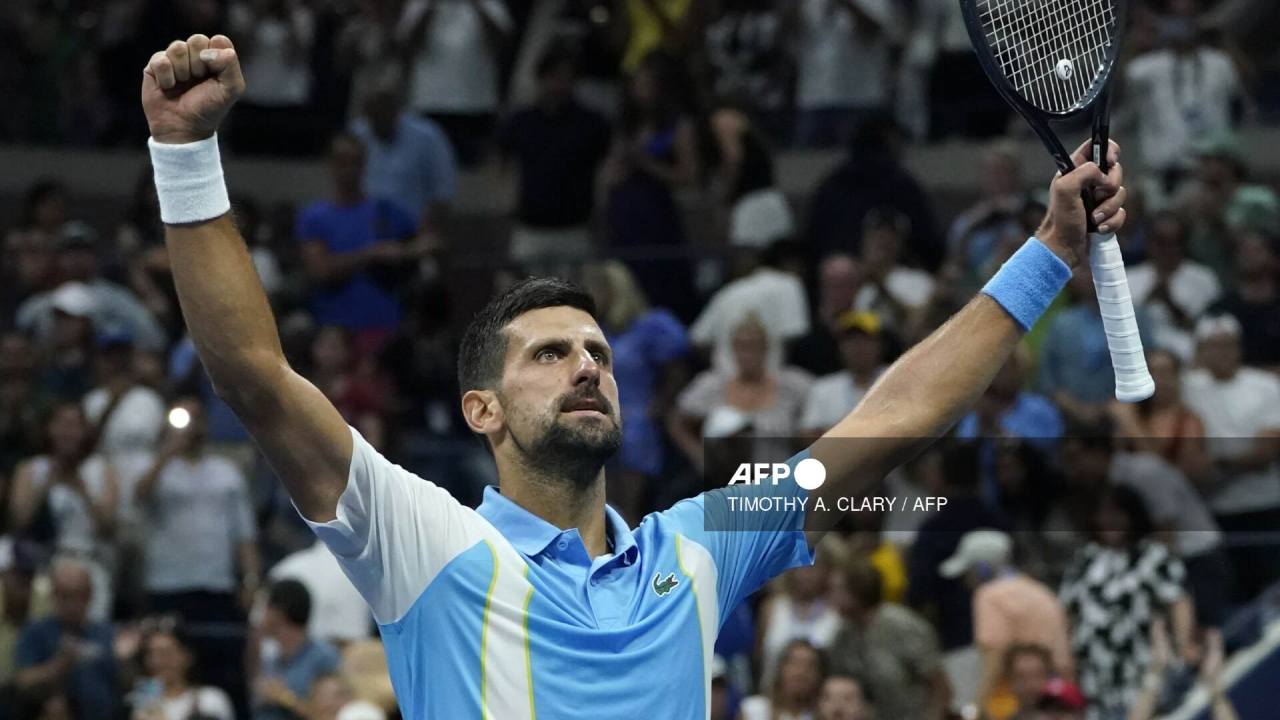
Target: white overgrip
{"x":1133,"y":381}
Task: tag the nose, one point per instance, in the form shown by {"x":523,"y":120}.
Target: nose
{"x":587,"y":369}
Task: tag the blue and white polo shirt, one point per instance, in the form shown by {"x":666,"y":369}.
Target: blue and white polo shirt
{"x":496,"y":613}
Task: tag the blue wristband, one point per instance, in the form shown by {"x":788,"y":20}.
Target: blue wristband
{"x":1028,"y":282}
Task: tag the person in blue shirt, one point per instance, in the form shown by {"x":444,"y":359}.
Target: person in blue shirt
{"x":67,"y":651}
{"x":296,"y":661}
{"x":353,"y":247}
{"x":543,"y":601}
{"x":409,"y":160}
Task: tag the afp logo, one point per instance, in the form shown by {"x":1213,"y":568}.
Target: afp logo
{"x":809,"y":473}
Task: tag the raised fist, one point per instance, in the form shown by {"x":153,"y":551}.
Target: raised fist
{"x":188,"y":88}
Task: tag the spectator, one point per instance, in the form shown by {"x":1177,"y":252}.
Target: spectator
{"x":746,"y":53}
{"x":454,"y":48}
{"x":961,"y":99}
{"x":649,"y":348}
{"x":834,"y":396}
{"x":889,"y":645}
{"x":1240,"y":408}
{"x":365,"y":49}
{"x":819,"y":351}
{"x":69,"y":651}
{"x":793,"y":695}
{"x":832,"y":36}
{"x":1181,"y":92}
{"x":1010,"y":608}
{"x":1153,"y":684}
{"x":1025,"y":671}
{"x":1224,"y":203}
{"x":109,"y":304}
{"x":339,"y":614}
{"x":672,"y":26}
{"x":873,"y":177}
{"x":21,"y":601}
{"x":66,"y":352}
{"x":1006,"y":410}
{"x":200,"y":530}
{"x":67,"y":498}
{"x":1075,"y":365}
{"x":352,"y":246}
{"x":1255,"y":299}
{"x":1164,"y":425}
{"x":844,"y":698}
{"x":29,"y":247}
{"x":127,"y":415}
{"x":291,"y":660}
{"x":894,"y":292}
{"x":333,"y":699}
{"x":557,"y":145}
{"x":755,"y":397}
{"x":945,"y":601}
{"x":772,"y":292}
{"x":274,"y":39}
{"x":797,"y":608}
{"x":1175,"y":289}
{"x":654,"y":155}
{"x":354,"y":386}
{"x":408,"y":159}
{"x":20,"y":404}
{"x":978,"y":232}
{"x":757,"y":212}
{"x":170,"y":666}
{"x":1115,"y":587}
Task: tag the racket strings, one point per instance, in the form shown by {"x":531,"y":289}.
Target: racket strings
{"x":1032,"y":39}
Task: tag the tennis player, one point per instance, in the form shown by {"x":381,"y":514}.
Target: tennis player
{"x":543,"y":602}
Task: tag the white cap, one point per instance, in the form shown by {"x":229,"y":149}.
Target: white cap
{"x":75,"y":299}
{"x":989,"y":547}
{"x":1212,"y":325}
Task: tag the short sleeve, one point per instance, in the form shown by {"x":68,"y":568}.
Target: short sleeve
{"x":665,"y":338}
{"x":1162,"y":572}
{"x":748,"y":548}
{"x":214,"y":703}
{"x":394,"y":531}
{"x":1270,"y":415}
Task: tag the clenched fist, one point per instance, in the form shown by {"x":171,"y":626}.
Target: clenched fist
{"x":188,"y":88}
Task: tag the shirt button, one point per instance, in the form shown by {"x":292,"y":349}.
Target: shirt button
{"x":563,"y":544}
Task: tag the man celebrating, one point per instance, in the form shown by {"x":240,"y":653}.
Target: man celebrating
{"x":543,"y":601}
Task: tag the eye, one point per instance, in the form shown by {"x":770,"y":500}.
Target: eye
{"x":546,"y":355}
{"x":600,"y":358}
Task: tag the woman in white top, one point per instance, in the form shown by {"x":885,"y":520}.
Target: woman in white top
{"x":167,"y":692}
{"x":67,"y":497}
{"x":794,"y":694}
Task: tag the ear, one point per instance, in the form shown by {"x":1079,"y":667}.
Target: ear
{"x":482,"y":411}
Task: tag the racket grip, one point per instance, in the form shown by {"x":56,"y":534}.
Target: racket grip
{"x":1133,"y":381}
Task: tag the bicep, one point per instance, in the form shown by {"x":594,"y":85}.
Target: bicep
{"x":306,"y":442}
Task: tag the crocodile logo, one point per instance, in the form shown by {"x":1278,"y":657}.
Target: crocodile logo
{"x":662,"y":586}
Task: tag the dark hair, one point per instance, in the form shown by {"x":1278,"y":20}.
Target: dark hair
{"x":1129,"y":502}
{"x":484,"y":344}
{"x":292,"y":599}
{"x":37,"y":193}
{"x":786,"y":650}
{"x":1096,"y":435}
{"x":863,"y":581}
{"x":557,"y":56}
{"x":670,"y":94}
{"x":1011,"y":654}
{"x":172,"y":627}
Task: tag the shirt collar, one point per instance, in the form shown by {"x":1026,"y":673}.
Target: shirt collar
{"x":531,"y":535}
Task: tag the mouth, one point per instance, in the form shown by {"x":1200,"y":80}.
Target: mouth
{"x":586,"y":406}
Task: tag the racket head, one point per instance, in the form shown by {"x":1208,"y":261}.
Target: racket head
{"x":1048,"y":58}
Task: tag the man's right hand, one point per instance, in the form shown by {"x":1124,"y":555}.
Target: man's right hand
{"x":188,"y":88}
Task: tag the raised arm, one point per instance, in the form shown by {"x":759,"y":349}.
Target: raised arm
{"x":186,"y":91}
{"x":923,"y":394}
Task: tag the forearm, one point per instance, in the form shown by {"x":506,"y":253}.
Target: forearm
{"x":250,"y":564}
{"x":325,"y":267}
{"x":40,"y":676}
{"x":1182,"y":616}
{"x":225,"y":309}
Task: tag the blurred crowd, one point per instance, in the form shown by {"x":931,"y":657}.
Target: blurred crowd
{"x":1088,"y":556}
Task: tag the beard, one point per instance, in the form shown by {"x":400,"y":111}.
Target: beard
{"x":574,"y":449}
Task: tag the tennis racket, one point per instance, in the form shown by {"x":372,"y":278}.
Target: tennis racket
{"x":1050,"y":60}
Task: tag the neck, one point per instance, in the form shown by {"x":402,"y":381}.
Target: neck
{"x":348,"y":196}
{"x":175,"y":686}
{"x":291,"y":640}
{"x":564,"y":504}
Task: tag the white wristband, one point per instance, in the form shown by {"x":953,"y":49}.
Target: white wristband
{"x":189,"y":181}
